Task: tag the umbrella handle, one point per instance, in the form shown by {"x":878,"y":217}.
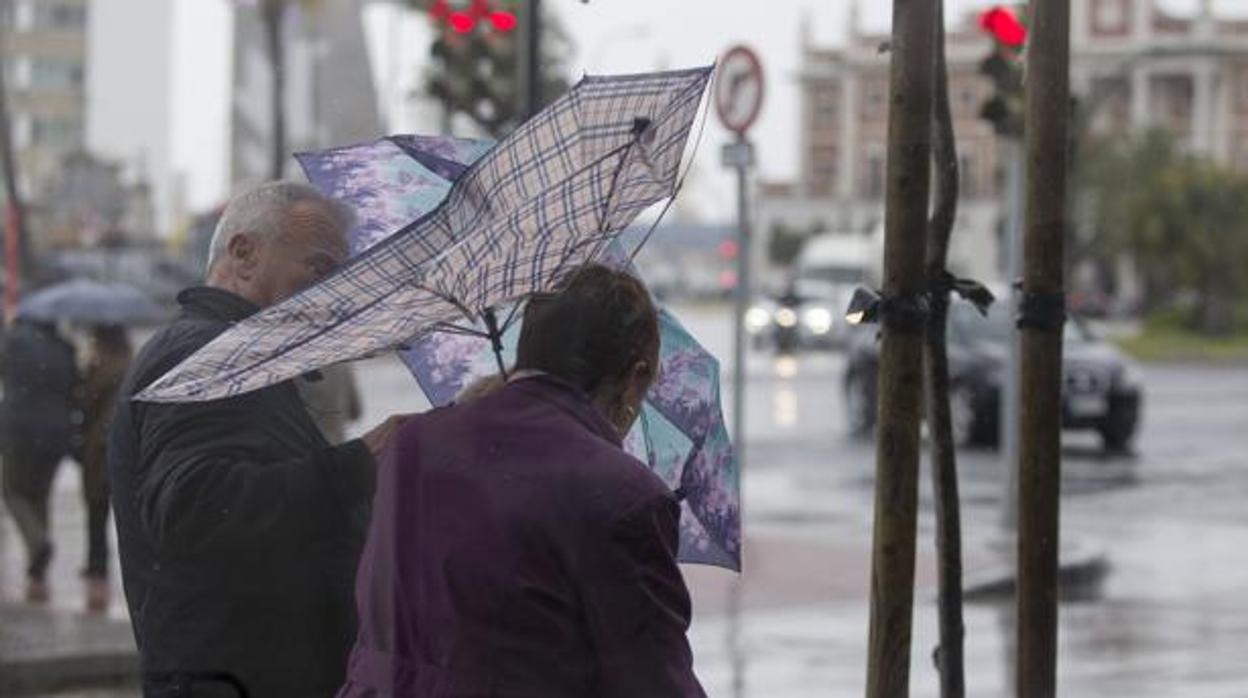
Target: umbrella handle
{"x":496,"y":339}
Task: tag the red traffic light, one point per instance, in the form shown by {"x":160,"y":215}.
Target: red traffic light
{"x":465,"y":21}
{"x":1004,"y":26}
{"x":462,"y":22}
{"x":503,"y":21}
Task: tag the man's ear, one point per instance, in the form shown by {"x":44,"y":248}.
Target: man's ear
{"x":242,"y":250}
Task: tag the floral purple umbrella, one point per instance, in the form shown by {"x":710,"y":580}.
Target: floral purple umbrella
{"x":681,"y":432}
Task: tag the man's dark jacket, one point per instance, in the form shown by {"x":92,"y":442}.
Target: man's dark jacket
{"x":239,"y":526}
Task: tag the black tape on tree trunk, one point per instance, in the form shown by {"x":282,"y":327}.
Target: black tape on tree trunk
{"x":969,"y":290}
{"x":901,"y":313}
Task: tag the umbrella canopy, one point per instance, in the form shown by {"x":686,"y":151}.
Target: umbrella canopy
{"x":93,"y":303}
{"x":681,"y":432}
{"x":548,"y":197}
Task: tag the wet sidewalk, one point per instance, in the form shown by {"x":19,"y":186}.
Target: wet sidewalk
{"x":47,"y":648}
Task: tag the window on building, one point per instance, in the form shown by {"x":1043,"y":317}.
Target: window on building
{"x":827,"y":103}
{"x":873,"y":179}
{"x":51,"y":73}
{"x":1109,"y":17}
{"x":60,"y":15}
{"x":22,"y":130}
{"x":824,"y":169}
{"x":62,"y":132}
{"x":19,"y":14}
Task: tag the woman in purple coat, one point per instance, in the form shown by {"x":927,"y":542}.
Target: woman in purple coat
{"x":516,"y":550}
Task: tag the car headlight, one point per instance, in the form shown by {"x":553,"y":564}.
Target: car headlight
{"x":786,"y":318}
{"x":818,"y":320}
{"x":757,"y":319}
{"x":1128,"y":376}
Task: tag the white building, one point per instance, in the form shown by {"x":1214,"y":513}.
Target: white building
{"x":159,"y":71}
{"x":130,"y":81}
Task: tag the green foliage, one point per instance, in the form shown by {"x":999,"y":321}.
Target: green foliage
{"x":1184,"y":220}
{"x":1168,"y":337}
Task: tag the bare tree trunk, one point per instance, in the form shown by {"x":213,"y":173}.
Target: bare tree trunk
{"x":1048,"y":113}
{"x":272,"y":13}
{"x":949,"y":655}
{"x":16,"y":214}
{"x":901,"y":355}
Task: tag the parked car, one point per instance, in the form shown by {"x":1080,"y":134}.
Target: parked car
{"x":1101,"y":389}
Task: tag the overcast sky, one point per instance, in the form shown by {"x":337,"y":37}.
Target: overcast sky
{"x":610,"y":36}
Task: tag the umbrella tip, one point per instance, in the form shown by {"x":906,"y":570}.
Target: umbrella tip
{"x":640,"y":124}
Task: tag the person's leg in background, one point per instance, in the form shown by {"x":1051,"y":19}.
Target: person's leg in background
{"x":28,"y":475}
{"x":95,"y":496}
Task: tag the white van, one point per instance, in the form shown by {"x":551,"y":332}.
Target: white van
{"x":841,"y":260}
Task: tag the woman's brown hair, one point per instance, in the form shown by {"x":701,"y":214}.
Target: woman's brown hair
{"x":595,"y":327}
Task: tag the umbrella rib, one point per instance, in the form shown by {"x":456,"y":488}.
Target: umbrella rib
{"x":511,"y":317}
{"x":450,"y":328}
{"x":600,"y":239}
{"x":680,"y":184}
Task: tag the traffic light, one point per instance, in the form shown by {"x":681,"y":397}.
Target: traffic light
{"x":1004,"y":26}
{"x":1005,"y":108}
{"x":466,"y":20}
{"x":474,"y":66}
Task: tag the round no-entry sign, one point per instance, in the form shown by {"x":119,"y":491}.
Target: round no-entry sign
{"x":739,"y":89}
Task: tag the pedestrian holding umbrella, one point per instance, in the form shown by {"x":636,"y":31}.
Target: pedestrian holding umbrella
{"x":549,"y":197}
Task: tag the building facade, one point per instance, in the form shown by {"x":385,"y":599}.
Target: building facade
{"x":45,"y":58}
{"x":1132,"y":66}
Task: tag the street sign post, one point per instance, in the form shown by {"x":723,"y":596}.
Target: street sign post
{"x":739,"y":90}
{"x":738,"y":99}
{"x":738,"y":96}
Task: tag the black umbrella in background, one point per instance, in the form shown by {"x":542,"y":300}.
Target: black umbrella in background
{"x":85,"y":302}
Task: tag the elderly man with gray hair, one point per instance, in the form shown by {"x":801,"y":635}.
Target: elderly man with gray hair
{"x":239,"y":525}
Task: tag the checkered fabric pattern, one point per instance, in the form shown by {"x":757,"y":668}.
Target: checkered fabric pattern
{"x":548,"y":197}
